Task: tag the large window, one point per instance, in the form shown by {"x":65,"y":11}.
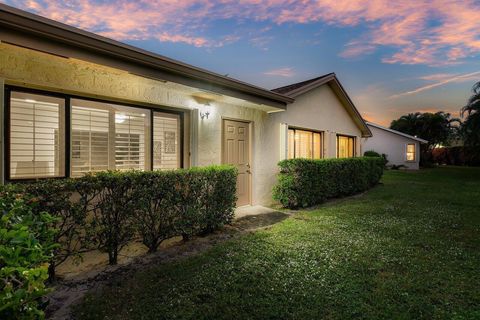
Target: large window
{"x":37,"y":136}
{"x":103,"y":136}
{"x":108,"y":136}
{"x":304,"y":144}
{"x":411,"y":152}
{"x":345,"y":146}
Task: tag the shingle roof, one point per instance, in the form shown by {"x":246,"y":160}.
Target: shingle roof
{"x":291,"y":87}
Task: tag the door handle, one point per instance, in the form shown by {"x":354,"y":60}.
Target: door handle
{"x":248,"y":165}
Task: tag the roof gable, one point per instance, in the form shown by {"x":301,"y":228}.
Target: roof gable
{"x":292,"y":88}
{"x":297,"y":89}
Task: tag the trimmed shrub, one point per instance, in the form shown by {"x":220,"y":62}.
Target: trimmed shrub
{"x":371,"y":153}
{"x":306,"y":182}
{"x":112,"y":222}
{"x":220,"y":197}
{"x":154,"y":216}
{"x":26,"y":245}
{"x":108,"y":209}
{"x":63,"y":199}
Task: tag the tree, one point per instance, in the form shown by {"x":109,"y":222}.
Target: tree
{"x":437,"y":128}
{"x":471,"y":126}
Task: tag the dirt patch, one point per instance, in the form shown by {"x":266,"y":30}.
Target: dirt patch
{"x":93,"y":272}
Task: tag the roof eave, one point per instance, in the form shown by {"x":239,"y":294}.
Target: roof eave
{"x":396,"y":132}
{"x":54,"y":31}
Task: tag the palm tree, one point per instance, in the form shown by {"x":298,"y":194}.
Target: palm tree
{"x":437,"y":128}
{"x":471,"y":125}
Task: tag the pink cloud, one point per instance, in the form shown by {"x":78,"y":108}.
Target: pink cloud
{"x":281,"y":72}
{"x":357,"y":48}
{"x":434,"y":32}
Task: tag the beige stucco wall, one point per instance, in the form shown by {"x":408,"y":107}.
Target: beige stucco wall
{"x":203,"y":138}
{"x":319,"y":109}
{"x":393,"y":145}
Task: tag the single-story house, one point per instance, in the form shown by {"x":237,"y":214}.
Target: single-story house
{"x":400,"y":148}
{"x":73,"y":102}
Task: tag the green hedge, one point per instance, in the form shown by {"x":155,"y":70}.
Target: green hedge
{"x":26,"y":245}
{"x":108,"y":209}
{"x":45,"y":222}
{"x":305,"y":182}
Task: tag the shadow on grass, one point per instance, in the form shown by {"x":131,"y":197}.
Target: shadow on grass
{"x":260,"y":220}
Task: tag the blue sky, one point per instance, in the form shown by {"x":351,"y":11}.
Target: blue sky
{"x":392,"y":57}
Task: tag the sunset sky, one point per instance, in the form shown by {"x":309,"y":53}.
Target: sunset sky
{"x":393,"y":57}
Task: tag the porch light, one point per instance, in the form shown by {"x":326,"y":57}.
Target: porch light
{"x":205,"y":113}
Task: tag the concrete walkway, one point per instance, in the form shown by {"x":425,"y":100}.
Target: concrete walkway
{"x":244,"y":211}
{"x":256,"y":217}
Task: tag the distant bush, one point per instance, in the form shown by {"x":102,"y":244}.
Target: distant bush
{"x":26,"y":246}
{"x":371,"y":153}
{"x":375,"y":154}
{"x":457,"y":156}
{"x":305,"y":182}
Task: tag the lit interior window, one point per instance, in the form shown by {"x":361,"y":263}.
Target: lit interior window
{"x":108,"y":136}
{"x":411,"y":152}
{"x":345,"y":146}
{"x":304,"y":144}
{"x":166,"y":134}
{"x":37,"y":136}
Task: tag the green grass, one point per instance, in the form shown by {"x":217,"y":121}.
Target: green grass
{"x":409,"y":248}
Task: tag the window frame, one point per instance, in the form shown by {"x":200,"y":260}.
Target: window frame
{"x":414,"y":152}
{"x":68,"y":126}
{"x":354,"y":138}
{"x":322,"y":140}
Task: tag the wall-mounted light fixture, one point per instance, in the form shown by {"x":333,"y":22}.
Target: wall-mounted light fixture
{"x":203,"y":101}
{"x":204,"y":114}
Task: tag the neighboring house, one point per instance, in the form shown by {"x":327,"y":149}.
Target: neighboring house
{"x":73,"y":102}
{"x":400,"y":148}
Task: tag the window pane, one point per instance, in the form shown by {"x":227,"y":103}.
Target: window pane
{"x":303,"y":144}
{"x":37,"y":132}
{"x":291,"y":143}
{"x":351,"y":147}
{"x":90,"y":140}
{"x":166,"y":145}
{"x":130,"y":136}
{"x":317,"y":145}
{"x":346,"y":147}
{"x":410,"y":152}
{"x":108,"y":136}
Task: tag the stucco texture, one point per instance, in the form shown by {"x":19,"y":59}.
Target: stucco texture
{"x":319,"y":109}
{"x":203,"y":139}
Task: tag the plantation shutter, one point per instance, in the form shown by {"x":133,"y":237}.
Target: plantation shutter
{"x":90,"y":140}
{"x":107,"y":136}
{"x":166,"y":144}
{"x":130,"y":136}
{"x":37,"y":132}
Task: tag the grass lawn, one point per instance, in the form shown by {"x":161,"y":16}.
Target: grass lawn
{"x":409,"y":248}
